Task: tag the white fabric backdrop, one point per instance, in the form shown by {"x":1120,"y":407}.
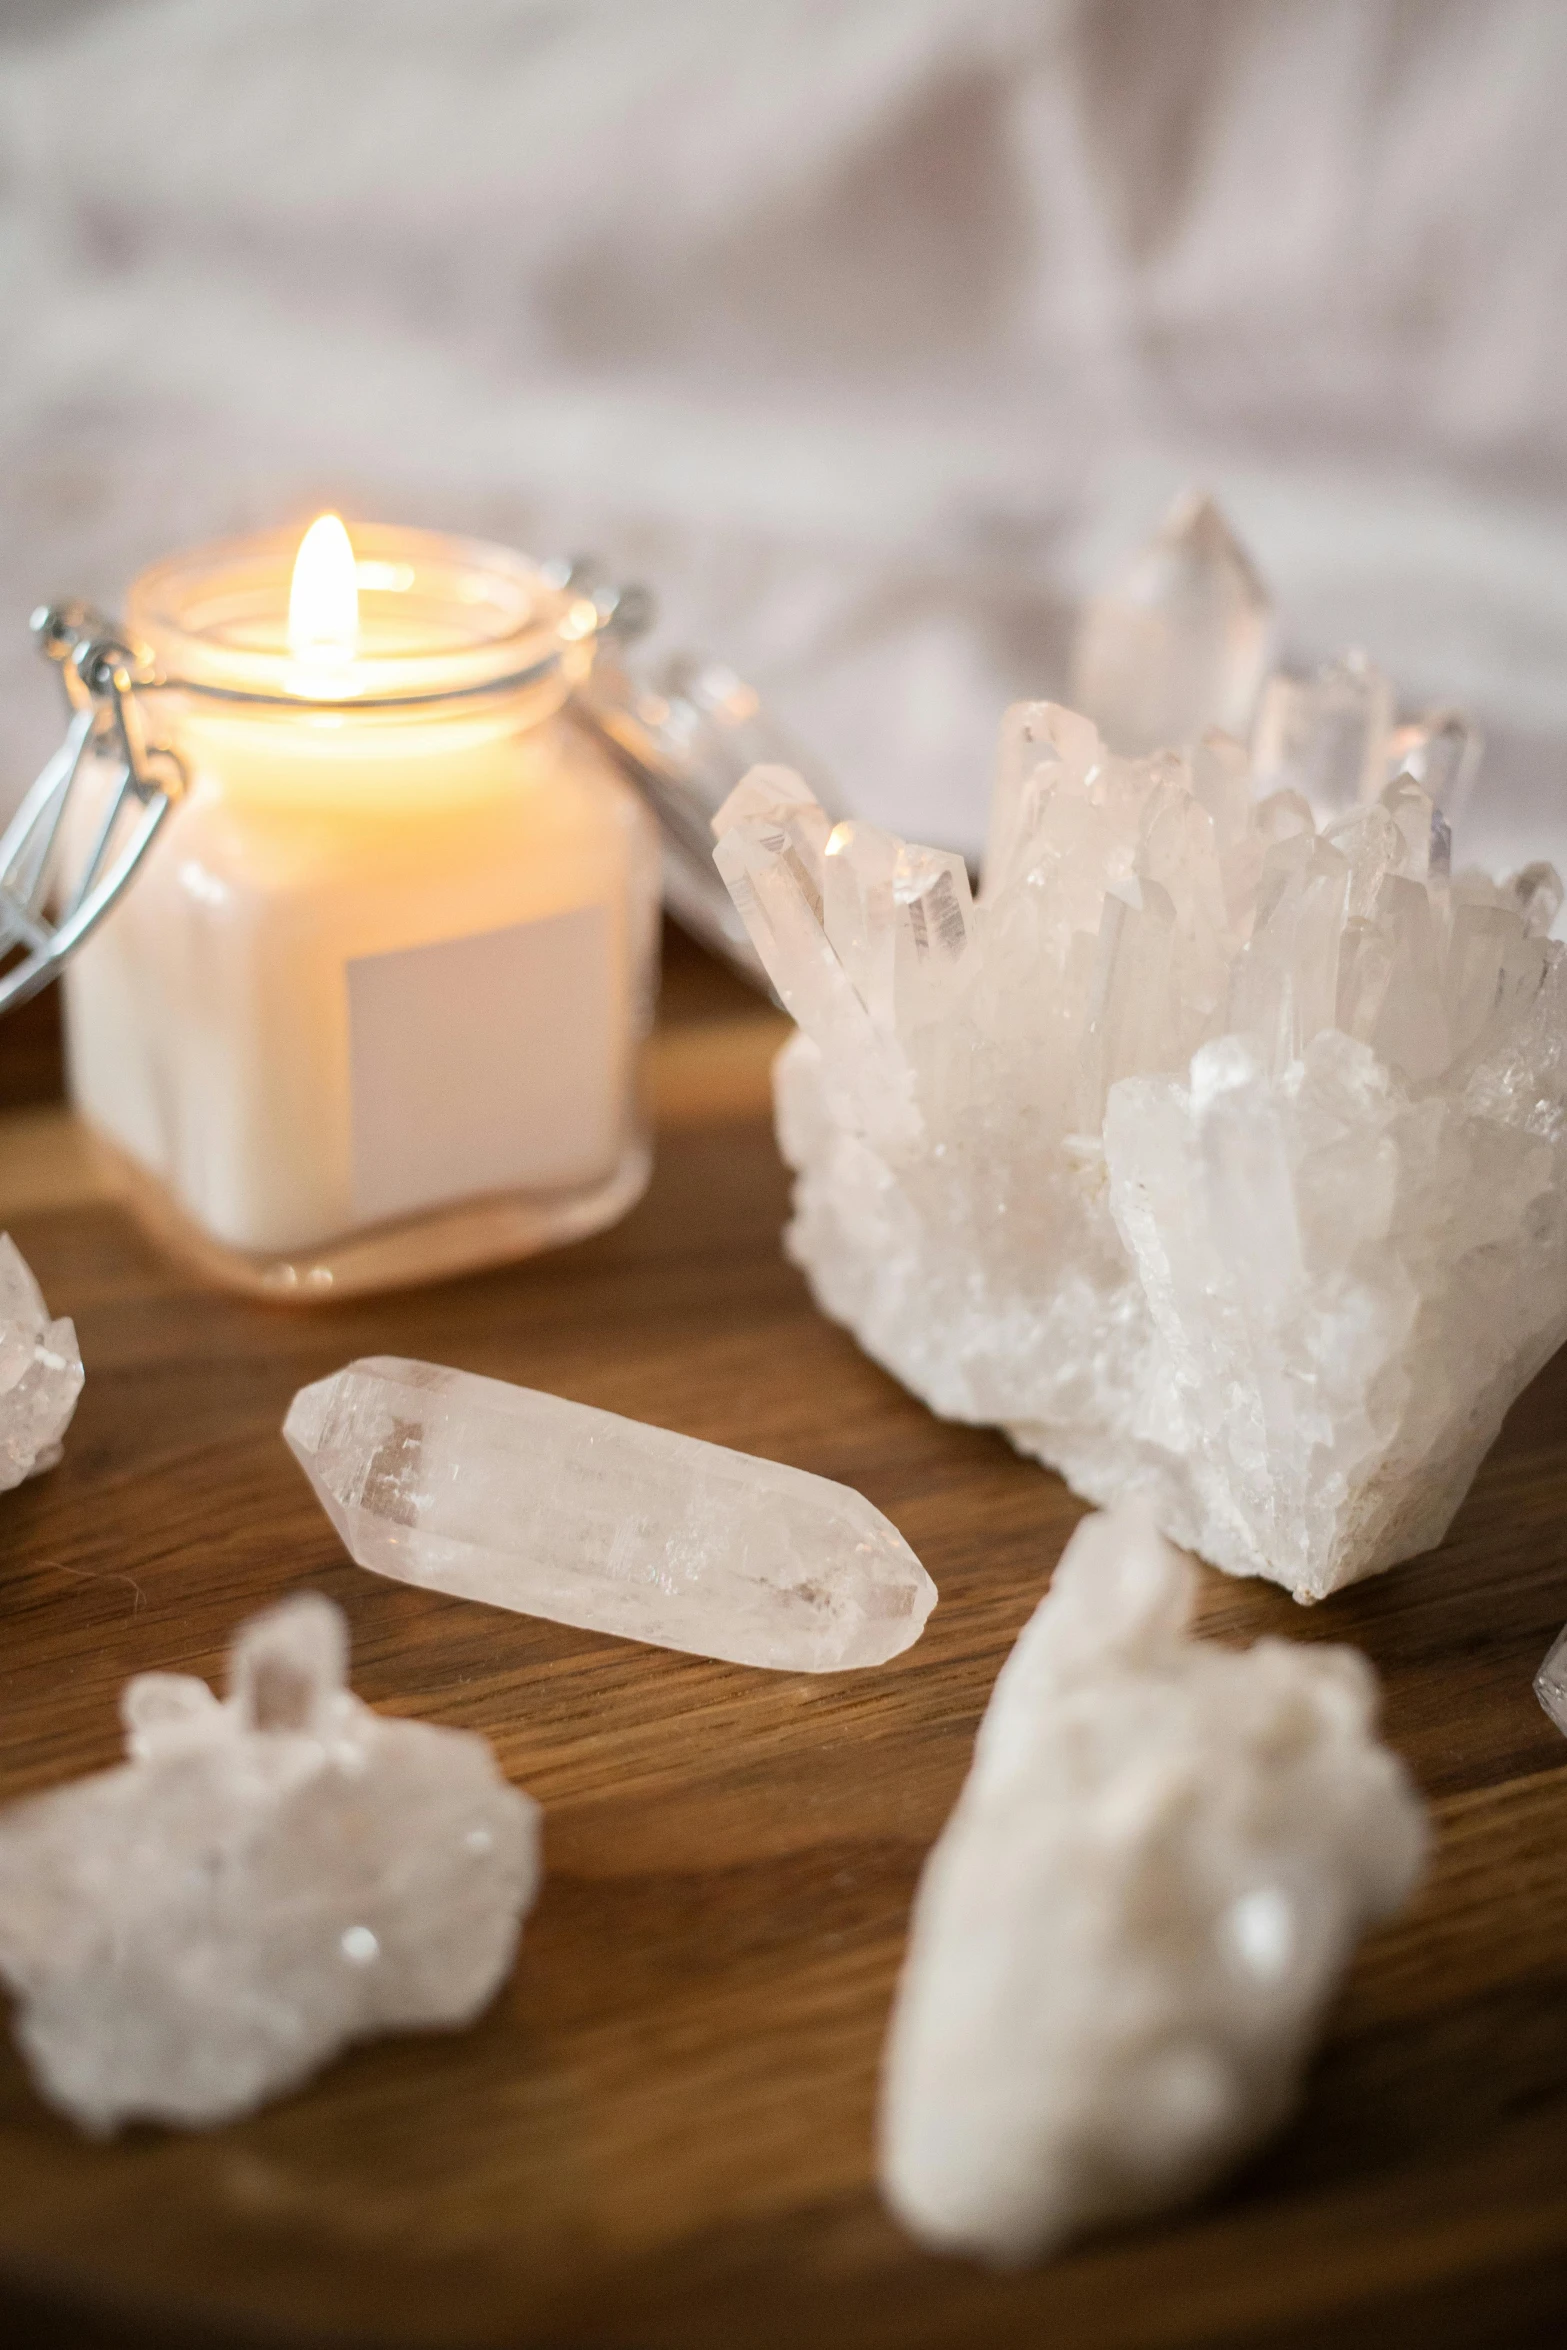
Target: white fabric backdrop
{"x":870,"y":331}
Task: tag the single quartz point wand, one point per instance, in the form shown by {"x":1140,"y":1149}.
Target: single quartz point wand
{"x":494,"y":1492}
{"x":262,"y":1881}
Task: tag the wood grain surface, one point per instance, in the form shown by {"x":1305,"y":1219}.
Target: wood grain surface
{"x":661,"y":2133}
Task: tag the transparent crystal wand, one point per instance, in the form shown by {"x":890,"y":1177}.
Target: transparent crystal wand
{"x":498,"y":1493}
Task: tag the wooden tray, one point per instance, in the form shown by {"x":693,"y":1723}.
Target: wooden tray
{"x":662,"y":2132}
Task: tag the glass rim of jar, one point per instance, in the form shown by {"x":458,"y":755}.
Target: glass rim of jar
{"x":444,"y":618}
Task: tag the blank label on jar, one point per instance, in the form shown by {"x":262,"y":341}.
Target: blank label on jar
{"x":483,"y":1064}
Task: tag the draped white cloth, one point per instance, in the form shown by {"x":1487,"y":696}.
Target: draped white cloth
{"x":868,"y":331}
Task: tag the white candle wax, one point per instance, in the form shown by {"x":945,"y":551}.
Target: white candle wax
{"x":389,"y":954}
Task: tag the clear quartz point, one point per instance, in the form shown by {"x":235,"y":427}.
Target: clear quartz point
{"x":899,"y":919}
{"x":1428,"y":843}
{"x":1537,"y":893}
{"x":264,"y":1880}
{"x":1442,"y":751}
{"x":1325,"y":736}
{"x":1550,"y":1683}
{"x":1181,"y":641}
{"x":1128,"y":1932}
{"x":1223,"y":1158}
{"x":773,"y":843}
{"x":40,"y":1373}
{"x":498,"y":1493}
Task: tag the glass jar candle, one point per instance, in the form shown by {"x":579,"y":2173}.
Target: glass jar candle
{"x":370,"y":1011}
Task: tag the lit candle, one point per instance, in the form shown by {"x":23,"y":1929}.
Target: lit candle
{"x":370,"y":1011}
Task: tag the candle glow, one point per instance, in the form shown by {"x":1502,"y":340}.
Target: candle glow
{"x":323,"y":597}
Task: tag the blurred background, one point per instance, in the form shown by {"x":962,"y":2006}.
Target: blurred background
{"x":871,"y":332}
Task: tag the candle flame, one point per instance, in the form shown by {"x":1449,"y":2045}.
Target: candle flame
{"x":323,"y":601}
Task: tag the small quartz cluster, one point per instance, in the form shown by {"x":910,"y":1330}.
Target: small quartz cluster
{"x":40,"y":1373}
{"x":1218,"y":1154}
{"x":266,"y":1879}
{"x":1126,"y":1936}
{"x":488,"y":1491}
{"x":1550,"y":1683}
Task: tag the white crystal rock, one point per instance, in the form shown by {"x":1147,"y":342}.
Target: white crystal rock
{"x":1126,"y":1936}
{"x":1550,"y":1683}
{"x":1213,"y":1156}
{"x":263,"y":1881}
{"x":40,"y":1372}
{"x":1181,"y":641}
{"x":493,"y":1492}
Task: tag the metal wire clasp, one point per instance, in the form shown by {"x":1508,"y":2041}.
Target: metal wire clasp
{"x":53,"y":890}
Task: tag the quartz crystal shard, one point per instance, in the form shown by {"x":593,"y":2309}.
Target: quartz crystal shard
{"x":1217,"y":1154}
{"x":1125,"y":1939}
{"x":1550,"y":1683}
{"x":498,"y":1493}
{"x":1180,"y":642}
{"x":40,"y":1373}
{"x":265,"y":1879}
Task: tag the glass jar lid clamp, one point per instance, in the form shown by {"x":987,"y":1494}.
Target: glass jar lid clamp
{"x":43,"y":912}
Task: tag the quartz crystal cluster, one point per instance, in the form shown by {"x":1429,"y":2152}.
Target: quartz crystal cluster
{"x":494,"y":1492}
{"x":266,"y":1879}
{"x":1126,"y":1936}
{"x":40,"y":1373}
{"x":1218,"y":1154}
